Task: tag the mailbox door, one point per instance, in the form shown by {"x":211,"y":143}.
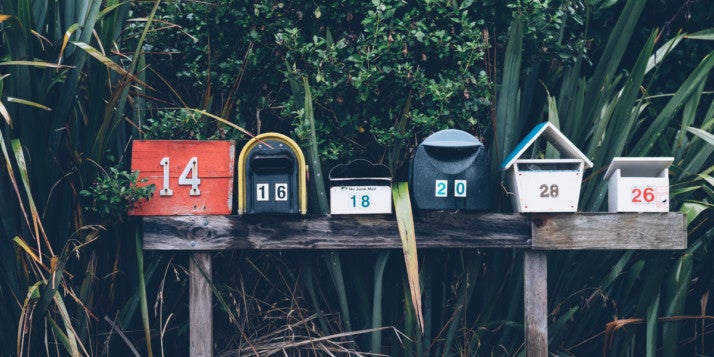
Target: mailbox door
{"x":361,"y":196}
{"x":548,"y":185}
{"x":272,"y":182}
{"x":450,"y":178}
{"x":638,"y":194}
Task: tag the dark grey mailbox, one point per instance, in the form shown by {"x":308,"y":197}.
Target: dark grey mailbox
{"x":449,"y":171}
{"x":272,"y":176}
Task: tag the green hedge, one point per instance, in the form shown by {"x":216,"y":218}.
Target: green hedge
{"x":381,"y":72}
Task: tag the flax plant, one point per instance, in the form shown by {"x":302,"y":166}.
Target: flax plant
{"x":64,"y":85}
{"x":610,"y":114}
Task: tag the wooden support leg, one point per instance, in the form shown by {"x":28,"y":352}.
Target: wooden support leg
{"x":200,"y":306}
{"x":535,"y":291}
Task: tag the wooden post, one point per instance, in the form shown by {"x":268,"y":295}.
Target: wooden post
{"x":535,"y":299}
{"x":200,"y":306}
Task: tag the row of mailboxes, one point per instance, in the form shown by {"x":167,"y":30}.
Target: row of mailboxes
{"x":449,"y":171}
{"x":196,"y":177}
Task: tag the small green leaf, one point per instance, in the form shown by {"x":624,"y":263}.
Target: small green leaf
{"x":706,"y":136}
{"x":707,"y":34}
{"x":692,"y":210}
{"x":29,"y":103}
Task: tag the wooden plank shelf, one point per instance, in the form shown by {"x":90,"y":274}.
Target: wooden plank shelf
{"x":433,"y":230}
{"x":535,"y":233}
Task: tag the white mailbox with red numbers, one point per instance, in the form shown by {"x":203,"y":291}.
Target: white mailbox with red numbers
{"x":638,"y":184}
{"x":545,"y":185}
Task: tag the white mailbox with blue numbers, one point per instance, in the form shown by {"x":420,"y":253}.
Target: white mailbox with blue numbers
{"x":360,"y":187}
{"x":545,"y":185}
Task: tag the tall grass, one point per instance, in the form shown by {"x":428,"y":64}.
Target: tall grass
{"x":611,"y":114}
{"x":64,"y":88}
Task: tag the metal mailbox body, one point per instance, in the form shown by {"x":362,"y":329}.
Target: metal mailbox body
{"x":638,"y":184}
{"x":360,"y":187}
{"x":272,"y":176}
{"x":449,"y":171}
{"x":545,"y":185}
{"x":191,"y":177}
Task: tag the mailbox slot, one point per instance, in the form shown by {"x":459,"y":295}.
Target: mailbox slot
{"x":451,"y":153}
{"x":277,"y":164}
{"x":539,"y":165}
{"x":449,"y":171}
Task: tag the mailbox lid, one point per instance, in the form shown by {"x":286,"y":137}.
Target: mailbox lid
{"x":360,"y":172}
{"x":638,"y":166}
{"x":215,"y":162}
{"x":554,"y":136}
{"x":450,"y":171}
{"x":451,"y":138}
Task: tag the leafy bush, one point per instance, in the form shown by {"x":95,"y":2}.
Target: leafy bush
{"x":183,"y":124}
{"x":380,"y":72}
{"x":114,"y":193}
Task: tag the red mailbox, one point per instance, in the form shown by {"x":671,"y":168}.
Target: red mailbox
{"x":191,"y":177}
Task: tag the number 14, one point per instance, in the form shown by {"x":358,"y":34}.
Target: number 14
{"x":183,"y":180}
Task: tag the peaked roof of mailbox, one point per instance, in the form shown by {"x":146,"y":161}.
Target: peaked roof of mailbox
{"x":554,"y":136}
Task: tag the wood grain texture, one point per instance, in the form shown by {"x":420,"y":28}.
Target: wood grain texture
{"x":433,"y":229}
{"x":609,"y":231}
{"x":216,"y":162}
{"x":535,"y":303}
{"x":200,"y":306}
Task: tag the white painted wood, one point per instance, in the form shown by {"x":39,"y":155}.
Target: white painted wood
{"x":546,"y":185}
{"x":638,"y":184}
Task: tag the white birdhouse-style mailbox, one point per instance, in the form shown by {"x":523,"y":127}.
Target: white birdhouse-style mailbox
{"x":638,"y":184}
{"x":360,"y":187}
{"x":545,"y":185}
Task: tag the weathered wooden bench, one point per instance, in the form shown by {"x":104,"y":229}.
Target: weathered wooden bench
{"x":536,"y":233}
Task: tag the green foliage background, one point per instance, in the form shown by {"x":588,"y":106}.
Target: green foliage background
{"x":381,"y":75}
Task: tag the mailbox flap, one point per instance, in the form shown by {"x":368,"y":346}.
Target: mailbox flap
{"x":360,"y":169}
{"x":451,"y":138}
{"x":638,"y":166}
{"x":278,"y":162}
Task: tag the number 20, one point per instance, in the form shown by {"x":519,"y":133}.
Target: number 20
{"x":183,"y":180}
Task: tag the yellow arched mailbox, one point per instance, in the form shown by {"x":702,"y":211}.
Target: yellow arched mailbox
{"x":272,"y":176}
